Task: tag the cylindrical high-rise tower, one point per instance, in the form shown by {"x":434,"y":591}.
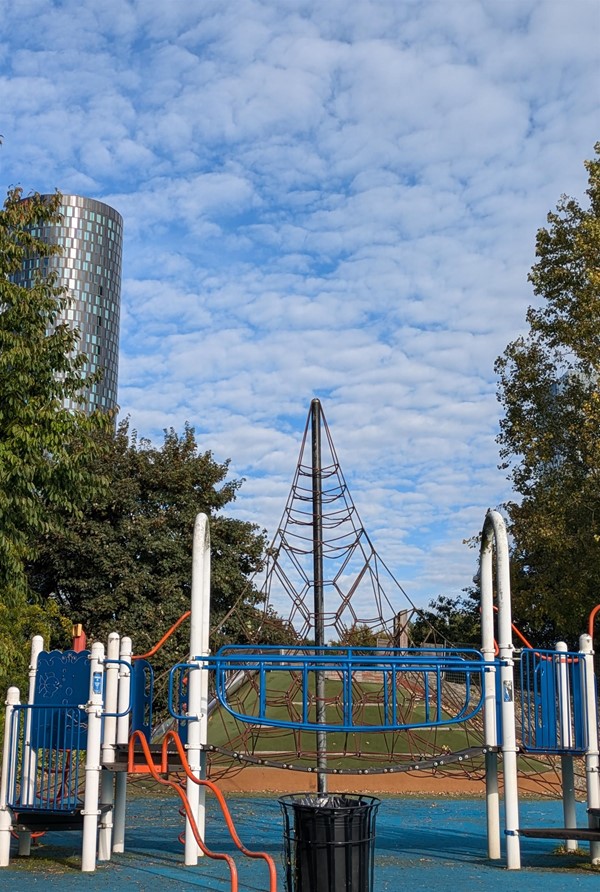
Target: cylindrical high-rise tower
{"x":91,"y":236}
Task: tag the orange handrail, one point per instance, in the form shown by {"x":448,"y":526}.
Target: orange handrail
{"x":591,"y":621}
{"x":517,"y":633}
{"x":172,"y":735}
{"x":527,"y":643}
{"x":186,"y":805}
{"x":164,"y":638}
{"x":521,"y":636}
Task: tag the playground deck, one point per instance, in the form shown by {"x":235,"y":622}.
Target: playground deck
{"x":421,"y":844}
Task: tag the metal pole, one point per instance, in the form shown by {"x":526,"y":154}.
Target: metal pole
{"x":29,"y":756}
{"x":592,"y":756}
{"x":317,"y":502}
{"x":9,"y":757}
{"x":490,"y":720}
{"x":107,"y":777}
{"x":94,"y":708}
{"x":566,"y":742}
{"x":118,"y":833}
{"x":198,"y":683}
{"x":494,"y":525}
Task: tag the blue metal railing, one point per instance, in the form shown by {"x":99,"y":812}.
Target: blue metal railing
{"x":141,"y":696}
{"x":47,"y":746}
{"x":553,"y":719}
{"x":402,"y":675}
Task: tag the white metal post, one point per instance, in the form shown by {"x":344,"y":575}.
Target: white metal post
{"x":118,"y":836}
{"x":494,"y":523}
{"x":109,"y":738}
{"x":592,"y":755}
{"x":29,"y":756}
{"x":198,"y":681}
{"x":490,"y":719}
{"x":566,"y":742}
{"x":92,"y":763}
{"x":9,"y":756}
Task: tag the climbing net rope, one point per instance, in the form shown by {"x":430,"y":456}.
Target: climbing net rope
{"x":364,"y":606}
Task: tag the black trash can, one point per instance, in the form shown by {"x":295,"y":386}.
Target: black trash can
{"x":329,"y":842}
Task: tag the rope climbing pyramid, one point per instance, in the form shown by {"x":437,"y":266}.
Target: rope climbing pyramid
{"x":325,"y":586}
{"x":321,"y":528}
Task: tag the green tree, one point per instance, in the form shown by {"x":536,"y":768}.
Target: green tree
{"x":45,"y":449}
{"x":549,"y":434}
{"x":357,"y":635}
{"x":124,"y":564}
{"x":18,"y":625}
{"x":449,"y":622}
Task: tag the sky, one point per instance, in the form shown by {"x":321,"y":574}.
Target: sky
{"x":320,"y":199}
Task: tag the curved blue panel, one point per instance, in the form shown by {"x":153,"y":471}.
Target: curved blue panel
{"x":395,"y":670}
{"x":62,"y":685}
{"x":63,"y":678}
{"x":142,"y":686}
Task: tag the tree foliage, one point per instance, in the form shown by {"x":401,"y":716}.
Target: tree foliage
{"x":18,"y":624}
{"x":357,"y":635}
{"x":450,"y":622}
{"x":45,"y":449}
{"x":549,"y":434}
{"x":125,"y":563}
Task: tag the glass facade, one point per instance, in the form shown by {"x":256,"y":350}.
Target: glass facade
{"x":91,"y":236}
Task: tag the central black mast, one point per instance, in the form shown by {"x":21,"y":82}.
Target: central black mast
{"x":317,"y":504}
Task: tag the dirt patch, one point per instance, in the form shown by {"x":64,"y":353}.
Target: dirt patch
{"x":255,"y":780}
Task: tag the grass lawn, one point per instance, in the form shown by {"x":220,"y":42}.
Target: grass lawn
{"x":283,"y":701}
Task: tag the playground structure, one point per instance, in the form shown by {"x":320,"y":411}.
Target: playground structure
{"x":68,"y":751}
{"x":87,"y":722}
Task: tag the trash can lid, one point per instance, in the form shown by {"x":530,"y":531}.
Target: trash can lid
{"x":327,"y":800}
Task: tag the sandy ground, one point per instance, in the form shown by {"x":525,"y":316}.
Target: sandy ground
{"x":258,"y":780}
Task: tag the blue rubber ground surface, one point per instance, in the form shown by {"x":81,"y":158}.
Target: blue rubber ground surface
{"x":421,"y":844}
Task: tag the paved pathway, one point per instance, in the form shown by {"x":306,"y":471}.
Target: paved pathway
{"x":421,"y":844}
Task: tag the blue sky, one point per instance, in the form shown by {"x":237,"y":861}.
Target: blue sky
{"x":320,"y":199}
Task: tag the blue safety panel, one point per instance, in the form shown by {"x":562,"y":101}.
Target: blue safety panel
{"x":552,"y":686}
{"x":183,"y":724}
{"x":62,"y":677}
{"x":142,"y":687}
{"x":62,"y":686}
{"x":420,"y":674}
{"x":499,"y":728}
{"x":40,"y":774}
{"x":179,"y":696}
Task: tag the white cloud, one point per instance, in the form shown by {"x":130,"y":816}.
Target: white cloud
{"x":323,"y":199}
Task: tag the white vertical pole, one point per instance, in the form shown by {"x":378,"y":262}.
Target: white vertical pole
{"x":118,"y":840}
{"x":92,"y":763}
{"x":109,"y":739}
{"x":29,"y":757}
{"x":490,"y":723}
{"x":37,"y":646}
{"x":198,"y":681}
{"x":494,"y":521}
{"x":592,"y":755}
{"x":566,"y":742}
{"x":9,"y":755}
